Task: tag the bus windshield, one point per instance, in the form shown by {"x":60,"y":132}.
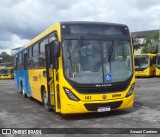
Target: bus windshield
{"x":158,"y":61}
{"x":6,"y":71}
{"x":97,"y":61}
{"x":141,"y":62}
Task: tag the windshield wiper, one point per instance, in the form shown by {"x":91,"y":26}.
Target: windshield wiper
{"x":111,"y":51}
{"x":75,"y":47}
{"x":73,"y":51}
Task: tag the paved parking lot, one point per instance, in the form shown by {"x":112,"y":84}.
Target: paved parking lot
{"x":19,"y":112}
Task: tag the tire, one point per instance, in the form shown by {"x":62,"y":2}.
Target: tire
{"x":23,"y":93}
{"x":45,"y":101}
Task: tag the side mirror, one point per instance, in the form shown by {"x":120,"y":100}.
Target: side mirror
{"x":56,"y":49}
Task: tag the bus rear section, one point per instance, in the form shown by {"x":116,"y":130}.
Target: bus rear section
{"x":157,"y":70}
{"x":145,"y":65}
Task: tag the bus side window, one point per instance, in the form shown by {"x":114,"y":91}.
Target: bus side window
{"x":16,"y":63}
{"x":25,"y":61}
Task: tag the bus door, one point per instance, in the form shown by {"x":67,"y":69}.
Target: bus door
{"x":16,"y":74}
{"x":51,"y":71}
{"x":152,"y":65}
{"x":26,"y":81}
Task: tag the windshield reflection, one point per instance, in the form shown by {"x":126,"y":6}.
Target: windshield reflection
{"x":5,"y":71}
{"x":158,"y":61}
{"x":93,"y":62}
{"x":141,"y":62}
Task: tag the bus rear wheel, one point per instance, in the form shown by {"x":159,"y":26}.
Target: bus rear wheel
{"x":23,"y":93}
{"x":45,"y":100}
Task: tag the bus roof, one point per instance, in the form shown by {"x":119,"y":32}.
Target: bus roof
{"x":17,"y":50}
{"x":43,"y":34}
{"x":91,"y":23}
{"x":56,"y":26}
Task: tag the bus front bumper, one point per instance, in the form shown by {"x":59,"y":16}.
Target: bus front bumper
{"x":72,"y":107}
{"x":142,"y":74}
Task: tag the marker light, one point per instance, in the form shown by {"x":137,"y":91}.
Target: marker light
{"x":130,"y":92}
{"x":70,"y":95}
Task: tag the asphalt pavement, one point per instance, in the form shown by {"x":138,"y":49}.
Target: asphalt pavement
{"x":19,"y":112}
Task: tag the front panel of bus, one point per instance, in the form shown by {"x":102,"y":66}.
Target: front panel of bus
{"x":6,"y":74}
{"x":144,"y":65}
{"x":157,"y":65}
{"x":0,"y":74}
{"x":97,"y":68}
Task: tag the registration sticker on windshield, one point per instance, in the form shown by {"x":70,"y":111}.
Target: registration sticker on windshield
{"x":104,"y":109}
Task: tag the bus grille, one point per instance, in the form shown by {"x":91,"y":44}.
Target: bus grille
{"x":139,"y":69}
{"x":95,"y":106}
{"x":101,"y":90}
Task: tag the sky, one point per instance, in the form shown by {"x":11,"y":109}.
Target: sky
{"x":22,"y":20}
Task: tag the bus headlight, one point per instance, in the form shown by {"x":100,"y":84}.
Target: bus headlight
{"x":130,"y":92}
{"x":70,"y":95}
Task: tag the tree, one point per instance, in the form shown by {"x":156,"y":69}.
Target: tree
{"x":136,"y":44}
{"x":151,"y":43}
{"x":5,"y":58}
{"x":4,"y":54}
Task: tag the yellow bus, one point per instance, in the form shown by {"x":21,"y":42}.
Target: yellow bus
{"x":158,"y":64}
{"x":7,"y":73}
{"x":0,"y":73}
{"x":145,"y":65}
{"x":78,"y":67}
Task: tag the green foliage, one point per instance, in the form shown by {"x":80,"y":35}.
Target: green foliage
{"x":136,"y":44}
{"x":150,"y":49}
{"x":151,"y":43}
{"x":6,"y":59}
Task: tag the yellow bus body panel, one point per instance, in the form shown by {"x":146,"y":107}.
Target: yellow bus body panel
{"x":149,"y":71}
{"x":70,"y":106}
{"x":35,"y":73}
{"x":10,"y":76}
{"x":157,"y":71}
{"x":36,"y":81}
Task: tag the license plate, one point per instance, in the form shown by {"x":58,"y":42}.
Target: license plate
{"x":104,"y":109}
